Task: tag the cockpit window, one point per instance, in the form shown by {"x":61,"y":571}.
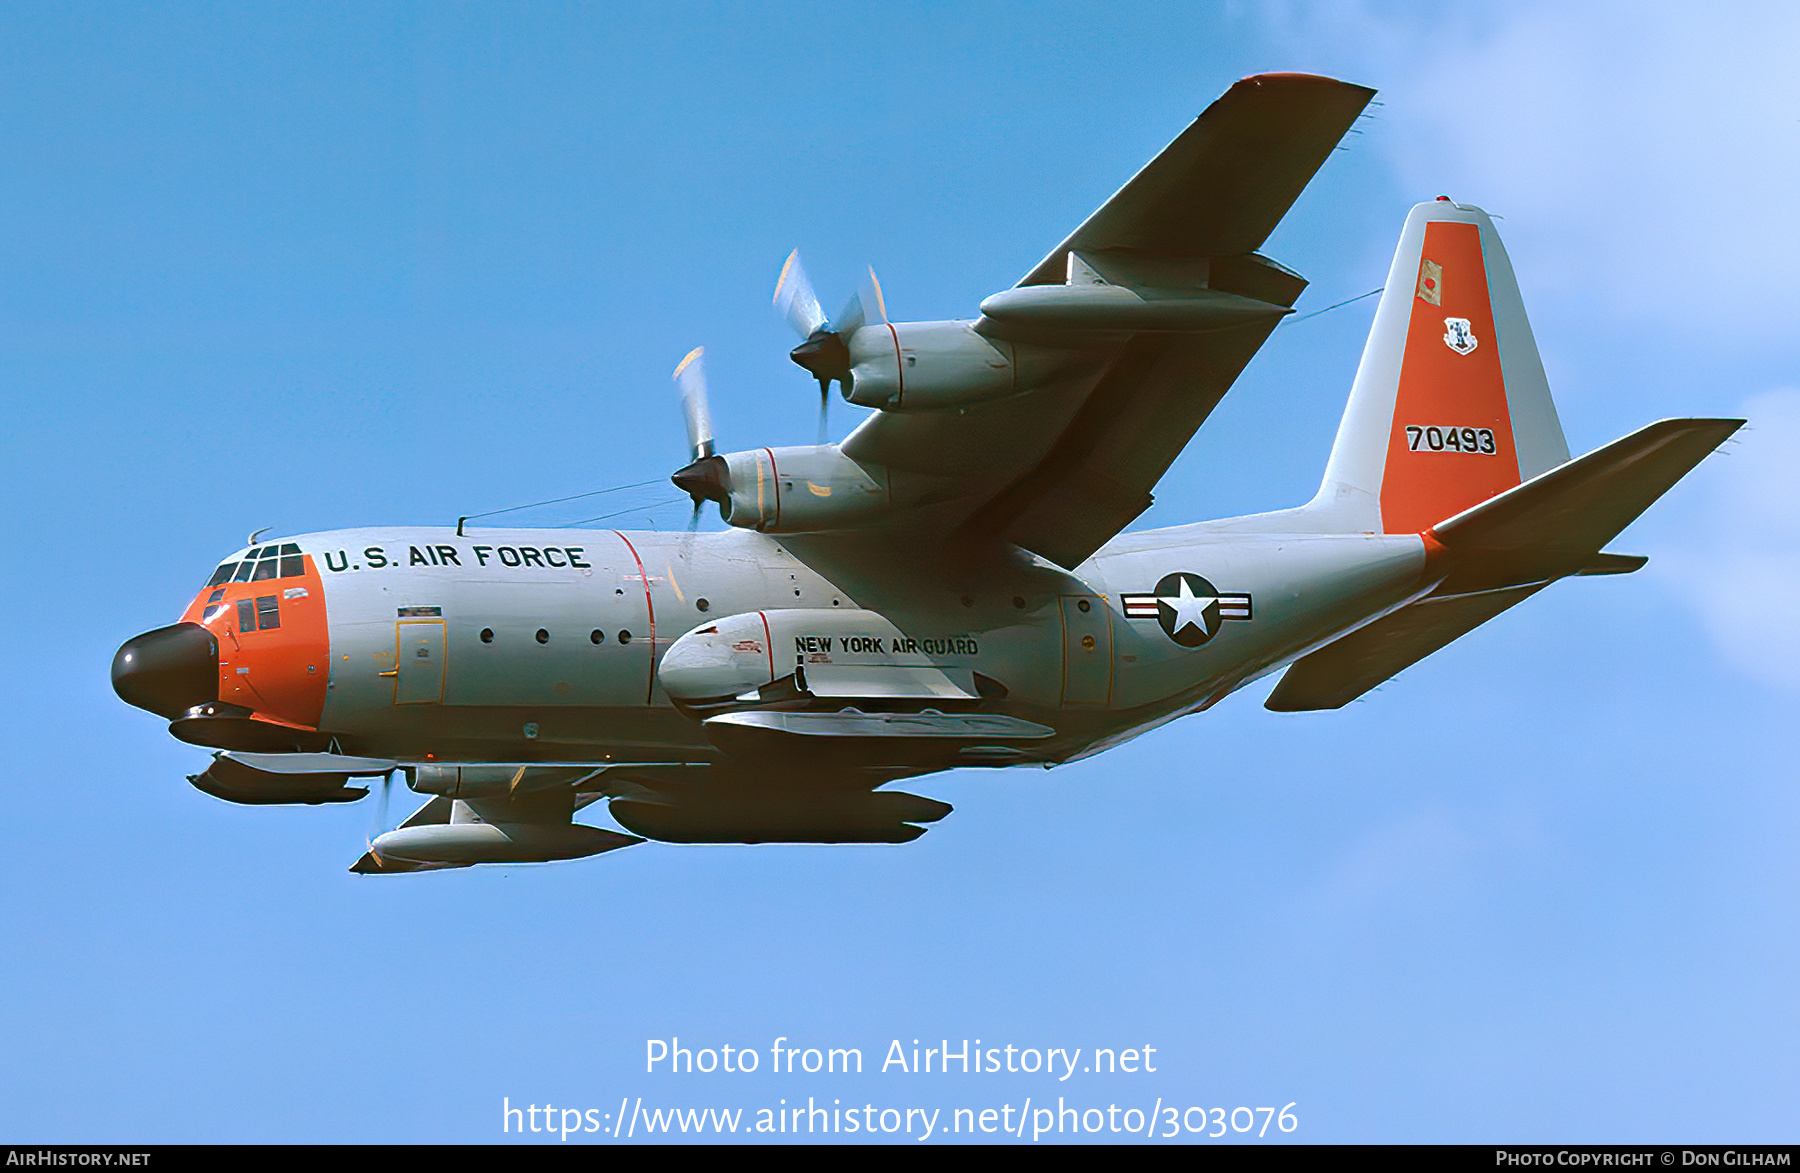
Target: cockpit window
{"x":268,"y":613}
{"x":246,"y":610}
{"x":263,"y":562}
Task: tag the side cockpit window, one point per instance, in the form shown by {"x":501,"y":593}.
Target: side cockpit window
{"x":292,"y":564}
{"x":260,"y":614}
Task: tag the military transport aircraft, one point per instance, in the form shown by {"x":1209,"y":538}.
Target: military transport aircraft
{"x":950,"y":586}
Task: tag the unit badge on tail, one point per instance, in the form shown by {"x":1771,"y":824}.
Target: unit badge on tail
{"x":1459,"y":335}
{"x":1190,"y":609}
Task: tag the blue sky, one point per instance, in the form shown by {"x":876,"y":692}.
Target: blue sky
{"x":310,"y":267}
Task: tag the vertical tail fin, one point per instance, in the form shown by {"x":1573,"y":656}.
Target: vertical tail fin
{"x":1450,"y":404}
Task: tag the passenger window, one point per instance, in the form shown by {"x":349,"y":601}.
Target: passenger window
{"x":246,"y":614}
{"x":268,"y":613}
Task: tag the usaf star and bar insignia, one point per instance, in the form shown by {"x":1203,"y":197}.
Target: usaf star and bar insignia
{"x":1190,"y":609}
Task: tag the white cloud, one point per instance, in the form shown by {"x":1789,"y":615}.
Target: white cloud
{"x":1752,"y":600}
{"x":1654,"y":153}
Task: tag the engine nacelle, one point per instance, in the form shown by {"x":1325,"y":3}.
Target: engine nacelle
{"x":924,"y":366}
{"x":799,"y":490}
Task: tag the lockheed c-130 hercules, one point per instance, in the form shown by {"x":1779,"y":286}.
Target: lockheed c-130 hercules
{"x":951,"y":585}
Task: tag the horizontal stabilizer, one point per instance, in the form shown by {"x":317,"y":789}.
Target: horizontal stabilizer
{"x":1613,"y":564}
{"x":1339,"y":672}
{"x":1556,"y":523}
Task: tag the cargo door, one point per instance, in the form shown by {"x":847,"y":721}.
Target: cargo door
{"x":1087,"y":650}
{"x":419,"y":669}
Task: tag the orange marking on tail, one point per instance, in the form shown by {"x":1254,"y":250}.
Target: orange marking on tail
{"x":1448,"y":387}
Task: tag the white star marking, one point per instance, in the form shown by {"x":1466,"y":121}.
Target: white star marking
{"x":1190,"y":609}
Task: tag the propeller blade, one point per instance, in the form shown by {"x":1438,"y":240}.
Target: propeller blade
{"x":795,"y":298}
{"x":850,"y":319}
{"x":690,"y":380}
{"x":381,"y":814}
{"x":824,"y":409}
{"x":876,"y":299}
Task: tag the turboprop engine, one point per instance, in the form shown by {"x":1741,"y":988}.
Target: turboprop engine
{"x":923,"y":366}
{"x":787,"y":490}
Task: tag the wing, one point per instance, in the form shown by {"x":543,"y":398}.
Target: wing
{"x":1064,"y":465}
{"x":1221,"y":187}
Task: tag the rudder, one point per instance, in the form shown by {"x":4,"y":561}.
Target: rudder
{"x":1450,"y":405}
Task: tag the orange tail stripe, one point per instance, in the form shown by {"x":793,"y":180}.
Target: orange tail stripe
{"x":1449,"y":379}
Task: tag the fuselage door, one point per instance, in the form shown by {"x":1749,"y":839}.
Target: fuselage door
{"x":419,"y":672}
{"x":1087,"y":650}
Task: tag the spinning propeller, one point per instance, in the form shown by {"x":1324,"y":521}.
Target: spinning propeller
{"x":824,"y":352}
{"x":825,"y":349}
{"x":704,"y":477}
{"x":381,"y":815}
